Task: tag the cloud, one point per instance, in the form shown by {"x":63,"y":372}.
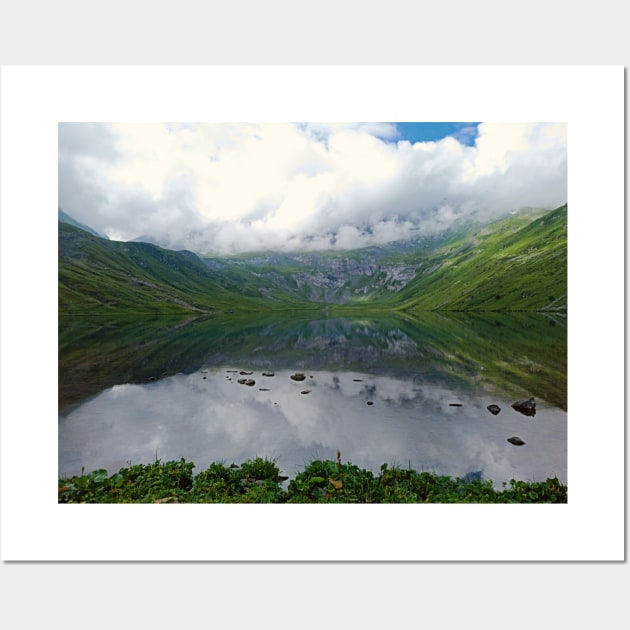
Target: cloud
{"x":225,"y":188}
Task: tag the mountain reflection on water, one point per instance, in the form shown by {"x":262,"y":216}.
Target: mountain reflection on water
{"x":129,"y":390}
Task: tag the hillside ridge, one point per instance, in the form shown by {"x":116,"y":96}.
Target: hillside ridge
{"x":515,"y":263}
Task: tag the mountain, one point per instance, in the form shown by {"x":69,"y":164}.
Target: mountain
{"x":516,"y":263}
{"x":98,"y":275}
{"x":66,"y":218}
{"x":513,"y":264}
{"x":331,"y":277}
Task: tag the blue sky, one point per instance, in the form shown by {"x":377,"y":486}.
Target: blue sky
{"x":465,"y":132}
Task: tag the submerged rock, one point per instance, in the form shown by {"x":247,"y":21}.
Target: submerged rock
{"x":370,"y":402}
{"x":493,"y":409}
{"x":306,"y":391}
{"x":268,"y":374}
{"x":244,"y":373}
{"x":455,"y":405}
{"x":298,"y":376}
{"x":526,"y":407}
{"x":516,"y":441}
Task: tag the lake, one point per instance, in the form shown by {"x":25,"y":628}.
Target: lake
{"x":396,"y":390}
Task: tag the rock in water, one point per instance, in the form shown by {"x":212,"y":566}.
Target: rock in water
{"x":516,"y":441}
{"x":298,"y":376}
{"x":526,"y":407}
{"x":493,"y":409}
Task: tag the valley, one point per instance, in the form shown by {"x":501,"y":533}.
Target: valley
{"x":518,"y":263}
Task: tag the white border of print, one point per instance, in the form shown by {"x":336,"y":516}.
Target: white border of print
{"x":590,"y":527}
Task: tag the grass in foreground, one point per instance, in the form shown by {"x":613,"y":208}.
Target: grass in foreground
{"x":322,"y":481}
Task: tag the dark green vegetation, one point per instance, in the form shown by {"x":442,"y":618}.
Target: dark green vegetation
{"x":515,"y":264}
{"x":322,"y":481}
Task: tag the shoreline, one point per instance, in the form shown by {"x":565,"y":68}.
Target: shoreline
{"x":322,"y":481}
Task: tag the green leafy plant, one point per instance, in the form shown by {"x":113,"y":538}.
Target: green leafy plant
{"x":322,"y":481}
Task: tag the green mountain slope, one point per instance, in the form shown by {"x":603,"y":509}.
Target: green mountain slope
{"x":98,"y":275}
{"x":506,"y":266}
{"x":515,"y":264}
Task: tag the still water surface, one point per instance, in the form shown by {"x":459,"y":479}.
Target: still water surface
{"x":398,"y":391}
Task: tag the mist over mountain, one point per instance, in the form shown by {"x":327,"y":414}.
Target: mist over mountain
{"x":66,"y":218}
{"x":221,"y":189}
{"x":516,"y":263}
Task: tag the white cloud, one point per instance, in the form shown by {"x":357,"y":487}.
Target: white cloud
{"x":239,"y":187}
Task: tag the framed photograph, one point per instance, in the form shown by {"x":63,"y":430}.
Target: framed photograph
{"x":313,"y":313}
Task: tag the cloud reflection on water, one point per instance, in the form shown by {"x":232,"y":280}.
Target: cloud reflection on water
{"x":216,"y":419}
